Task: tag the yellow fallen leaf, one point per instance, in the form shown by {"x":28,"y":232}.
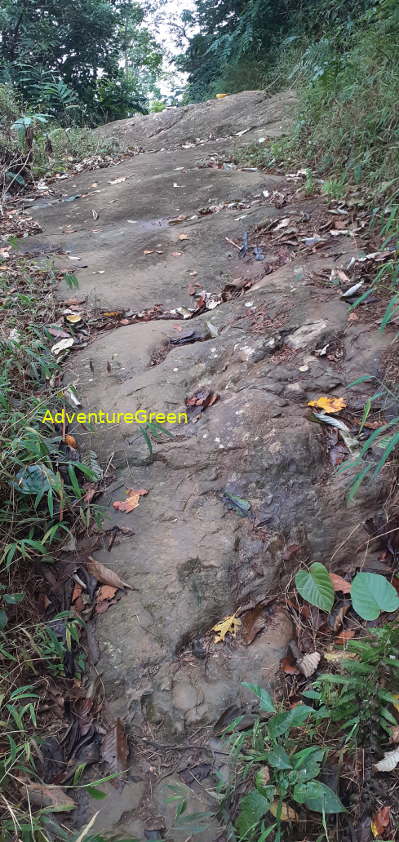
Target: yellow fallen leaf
{"x":287,"y":813}
{"x":396,"y":704}
{"x":229,"y":625}
{"x":330,"y":405}
{"x":374,"y":830}
{"x":221,"y":96}
{"x":339,"y":655}
{"x":74,"y":318}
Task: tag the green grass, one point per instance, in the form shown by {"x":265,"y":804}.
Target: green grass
{"x":41,"y":505}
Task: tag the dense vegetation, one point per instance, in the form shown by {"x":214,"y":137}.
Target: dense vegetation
{"x":341,"y":56}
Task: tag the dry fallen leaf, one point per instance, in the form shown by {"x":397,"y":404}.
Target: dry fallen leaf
{"x":104,"y":574}
{"x":70,"y":440}
{"x":389,"y":762}
{"x":288,"y":667}
{"x":329,"y":405}
{"x":396,"y":705}
{"x":176,"y":253}
{"x":309,"y":663}
{"x":287,"y":813}
{"x":345,"y":635}
{"x":253,"y":622}
{"x":95,"y":214}
{"x":118,"y":180}
{"x":380,"y":821}
{"x":106,"y":592}
{"x":132,"y":500}
{"x":115,"y":752}
{"x":183,"y":237}
{"x":229,"y":625}
{"x":53,"y":798}
{"x":340,"y":584}
{"x":395,"y":734}
{"x":77,"y":590}
{"x":263,"y":775}
{"x":148,"y":251}
{"x":62,"y":345}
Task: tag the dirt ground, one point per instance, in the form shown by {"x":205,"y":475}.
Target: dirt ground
{"x":288,"y":338}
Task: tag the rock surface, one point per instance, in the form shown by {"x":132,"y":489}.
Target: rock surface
{"x":193,"y":559}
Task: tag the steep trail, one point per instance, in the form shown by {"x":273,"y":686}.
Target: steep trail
{"x":193,"y":558}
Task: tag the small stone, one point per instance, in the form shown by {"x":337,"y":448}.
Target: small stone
{"x":306,"y":335}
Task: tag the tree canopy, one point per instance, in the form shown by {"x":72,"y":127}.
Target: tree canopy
{"x":98,"y":48}
{"x":232,"y":32}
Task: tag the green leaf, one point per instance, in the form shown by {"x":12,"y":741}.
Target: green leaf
{"x":315,"y":586}
{"x":283,"y":722}
{"x":302,"y":757}
{"x":95,"y":793}
{"x":265,"y":699}
{"x":278,"y":758}
{"x":372,"y":593}
{"x":307,"y":763}
{"x":3,"y":619}
{"x":311,"y":694}
{"x":362,"y":379}
{"x":13,"y":598}
{"x":318,"y":797}
{"x":241,"y":507}
{"x":74,"y":482}
{"x":266,"y":833}
{"x":252,"y":809}
{"x":268,"y":791}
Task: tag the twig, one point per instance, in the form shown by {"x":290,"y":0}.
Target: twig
{"x":232,"y":243}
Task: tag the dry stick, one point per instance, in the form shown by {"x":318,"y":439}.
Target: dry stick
{"x":232,"y":243}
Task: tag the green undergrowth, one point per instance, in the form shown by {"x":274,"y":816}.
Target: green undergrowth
{"x":35,"y":144}
{"x":293,"y":773}
{"x":41,"y":508}
{"x":346,"y":135}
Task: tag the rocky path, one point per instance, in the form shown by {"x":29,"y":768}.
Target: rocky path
{"x":247,"y":490}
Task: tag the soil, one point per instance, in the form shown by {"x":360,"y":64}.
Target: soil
{"x":285,"y":339}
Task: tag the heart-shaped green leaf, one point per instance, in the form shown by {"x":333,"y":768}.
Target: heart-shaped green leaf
{"x":318,"y":797}
{"x":252,"y":809}
{"x":315,"y":586}
{"x":278,"y":758}
{"x":371,"y":594}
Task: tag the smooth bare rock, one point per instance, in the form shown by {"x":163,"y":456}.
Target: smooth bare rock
{"x":195,"y":557}
{"x":249,"y":110}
